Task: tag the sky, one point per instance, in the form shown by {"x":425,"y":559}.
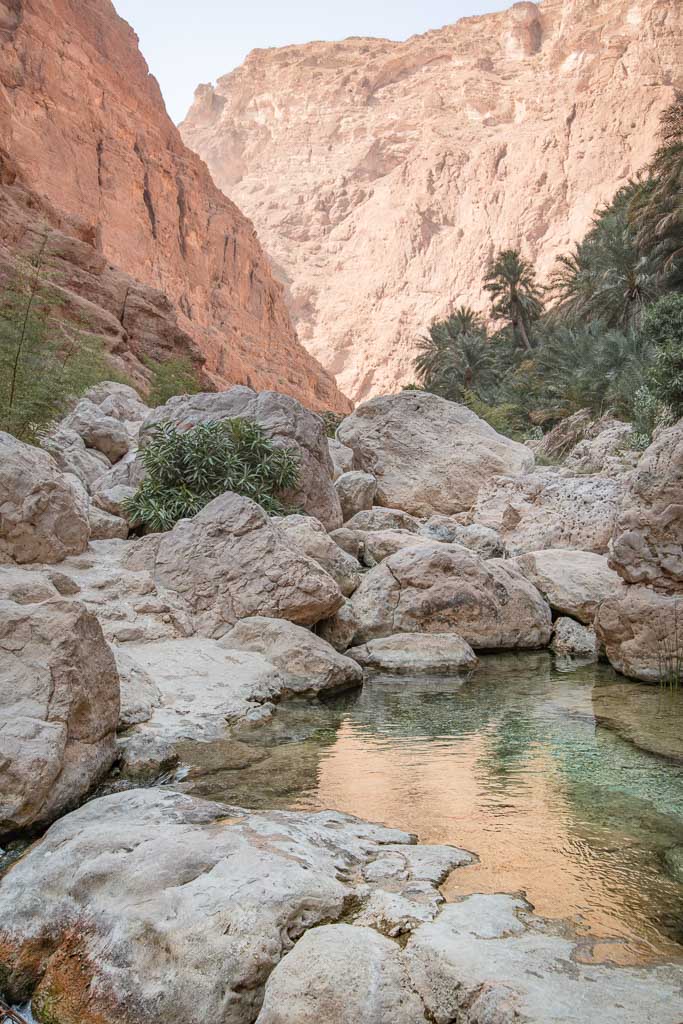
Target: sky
{"x":187,"y":42}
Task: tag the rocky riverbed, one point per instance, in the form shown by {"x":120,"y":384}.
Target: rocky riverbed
{"x":413,"y":549}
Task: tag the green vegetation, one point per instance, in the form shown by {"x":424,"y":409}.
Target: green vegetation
{"x":607,"y":332}
{"x":171,"y":377}
{"x":186,"y":470}
{"x":45,"y":360}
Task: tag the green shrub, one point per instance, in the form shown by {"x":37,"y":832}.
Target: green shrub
{"x":331,"y":421}
{"x":186,"y":470}
{"x":171,"y":377}
{"x":45,"y":360}
{"x":647,"y":413}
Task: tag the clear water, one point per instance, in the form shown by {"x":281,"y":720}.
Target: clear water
{"x":510,"y":764}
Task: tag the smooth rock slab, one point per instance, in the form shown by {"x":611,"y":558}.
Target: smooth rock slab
{"x":308,"y":665}
{"x":231,"y":562}
{"x":417,"y":654}
{"x":428,"y":455}
{"x":43,"y":512}
{"x":487,"y":960}
{"x":444,"y":588}
{"x":153,"y":906}
{"x":573,"y":582}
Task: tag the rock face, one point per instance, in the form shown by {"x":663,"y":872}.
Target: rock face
{"x":120,"y":189}
{"x":224,"y":892}
{"x":573,"y":582}
{"x":43,"y":512}
{"x":545,"y":510}
{"x":420,"y":157}
{"x":59,"y":708}
{"x":428,"y":455}
{"x":444,"y":588}
{"x":230,"y":562}
{"x":647,"y":546}
{"x":285,"y":421}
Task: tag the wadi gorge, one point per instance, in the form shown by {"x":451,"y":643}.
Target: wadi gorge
{"x":382,"y":176}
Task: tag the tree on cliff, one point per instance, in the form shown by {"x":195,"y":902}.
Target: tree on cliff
{"x":511,"y":282}
{"x":45,"y":360}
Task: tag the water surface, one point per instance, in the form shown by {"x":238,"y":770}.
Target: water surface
{"x":510,"y":764}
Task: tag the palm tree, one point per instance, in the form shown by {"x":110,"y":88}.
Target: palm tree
{"x":606,"y":277}
{"x":511,"y":282}
{"x":455,"y":356}
{"x":657,"y":209}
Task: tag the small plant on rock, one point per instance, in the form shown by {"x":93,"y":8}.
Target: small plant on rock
{"x":188,"y":469}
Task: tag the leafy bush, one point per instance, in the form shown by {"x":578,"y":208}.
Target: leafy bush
{"x":45,"y":360}
{"x":666,"y":378}
{"x":186,"y":470}
{"x":331,"y":421}
{"x":171,"y":377}
{"x":648,"y":413}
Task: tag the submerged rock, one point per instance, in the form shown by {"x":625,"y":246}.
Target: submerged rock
{"x":444,"y":588}
{"x":417,"y":654}
{"x":43,"y":512}
{"x":429,"y":455}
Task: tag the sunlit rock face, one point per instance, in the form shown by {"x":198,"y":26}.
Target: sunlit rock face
{"x":87,"y":138}
{"x":381,"y":175}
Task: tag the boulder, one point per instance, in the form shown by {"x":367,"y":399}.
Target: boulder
{"x":105,"y":526}
{"x":480,"y":539}
{"x":68,"y":450}
{"x":341,"y":974}
{"x":139,"y":693}
{"x":112,"y":489}
{"x":428,"y":455}
{"x":231,"y":562}
{"x":573,"y":640}
{"x":607,"y":452}
{"x":417,"y":654}
{"x":307,"y":663}
{"x":642,"y":632}
{"x":573,"y":582}
{"x":98,"y":430}
{"x":378,"y":518}
{"x":25,"y":587}
{"x":119,"y":401}
{"x":310,"y":536}
{"x":647,"y":544}
{"x":43,"y":512}
{"x":356,"y":492}
{"x":544,"y":510}
{"x":285,"y":421}
{"x":342,"y":457}
{"x":150,"y":905}
{"x":340,"y":629}
{"x":381,"y":544}
{"x":59,"y":708}
{"x":444,"y":588}
{"x":350,"y":541}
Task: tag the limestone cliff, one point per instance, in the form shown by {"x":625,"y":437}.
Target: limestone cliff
{"x":381,"y":176}
{"x":85,"y":127}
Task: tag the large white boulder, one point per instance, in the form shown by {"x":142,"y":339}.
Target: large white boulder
{"x":285,"y":421}
{"x":307,"y":663}
{"x":356,"y":492}
{"x":445,"y":588}
{"x":68,"y":450}
{"x":428,"y":455}
{"x":310,"y":536}
{"x":98,"y":430}
{"x":231,"y":562}
{"x":546,"y":510}
{"x":642,"y":631}
{"x":647,"y":545}
{"x":43,"y":512}
{"x":59,"y":708}
{"x":573,"y":582}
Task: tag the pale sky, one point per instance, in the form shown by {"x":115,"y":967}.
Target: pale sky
{"x":191,"y":41}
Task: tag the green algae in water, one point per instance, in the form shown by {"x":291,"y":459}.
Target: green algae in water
{"x":511,"y":764}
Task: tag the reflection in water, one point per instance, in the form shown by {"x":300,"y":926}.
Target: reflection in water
{"x":511,"y":765}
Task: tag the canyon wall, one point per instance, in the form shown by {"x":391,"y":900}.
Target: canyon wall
{"x":90,"y":151}
{"x":382,"y":176}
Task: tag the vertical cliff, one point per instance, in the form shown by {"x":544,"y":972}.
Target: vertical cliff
{"x":85,"y":126}
{"x":382,"y":176}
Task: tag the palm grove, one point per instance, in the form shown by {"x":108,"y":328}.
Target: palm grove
{"x":605,"y":334}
